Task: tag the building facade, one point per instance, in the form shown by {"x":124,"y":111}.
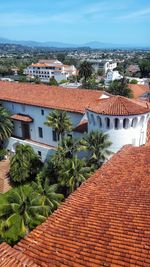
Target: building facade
{"x":46,"y":69}
{"x":124,"y":120}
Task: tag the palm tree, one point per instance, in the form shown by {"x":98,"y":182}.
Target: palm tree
{"x":72,"y":173}
{"x":97,"y":143}
{"x":24,"y":164}
{"x":48,"y":193}
{"x":60,"y":122}
{"x":85,"y":70}
{"x":6,"y":125}
{"x":21,"y":212}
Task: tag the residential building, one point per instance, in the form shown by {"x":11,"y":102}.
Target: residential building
{"x":105,"y":222}
{"x":111,"y":76}
{"x":46,"y":69}
{"x":124,"y":120}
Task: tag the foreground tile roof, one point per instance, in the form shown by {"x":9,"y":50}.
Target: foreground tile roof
{"x":138,"y":89}
{"x":41,"y":95}
{"x":118,"y":105}
{"x":105,"y":222}
{"x":10,"y":257}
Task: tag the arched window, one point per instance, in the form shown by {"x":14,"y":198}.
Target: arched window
{"x":107,"y":120}
{"x":134,"y":122}
{"x":88,"y":116}
{"x":142,"y":121}
{"x":126,"y":123}
{"x":92,"y":119}
{"x":116,"y":122}
{"x":99,"y":121}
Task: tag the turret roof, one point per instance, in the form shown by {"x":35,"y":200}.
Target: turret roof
{"x":118,"y":106}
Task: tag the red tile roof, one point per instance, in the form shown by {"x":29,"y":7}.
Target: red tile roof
{"x":138,"y":89}
{"x":117,"y":106}
{"x":41,"y":95}
{"x":81,"y":127}
{"x":20,"y":117}
{"x":10,"y":257}
{"x":105,"y":222}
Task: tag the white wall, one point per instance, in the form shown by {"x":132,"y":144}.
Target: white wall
{"x":135,"y":135}
{"x":38,"y":121}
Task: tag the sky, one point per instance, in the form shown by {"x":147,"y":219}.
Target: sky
{"x":76,"y":21}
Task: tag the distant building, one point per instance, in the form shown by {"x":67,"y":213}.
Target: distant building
{"x":46,"y":69}
{"x":109,"y":66}
{"x":112,"y":75}
{"x":102,"y":65}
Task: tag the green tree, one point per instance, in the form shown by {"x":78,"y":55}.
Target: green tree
{"x":48,"y":193}
{"x":85,"y":70}
{"x":72,"y":173}
{"x":25,"y":164}
{"x":6,"y":125}
{"x":144,"y":66}
{"x":59,"y":121}
{"x":97,"y":144}
{"x":53,"y":82}
{"x":22,"y":210}
{"x":120,"y":87}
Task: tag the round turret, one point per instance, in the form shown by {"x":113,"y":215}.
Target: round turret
{"x":123,"y":119}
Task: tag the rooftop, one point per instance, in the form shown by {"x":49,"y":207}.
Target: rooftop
{"x":73,"y":100}
{"x":138,"y":89}
{"x":105,"y":222}
{"x":118,"y":106}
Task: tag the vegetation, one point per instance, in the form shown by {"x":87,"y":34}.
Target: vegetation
{"x":120,"y":87}
{"x":97,"y":143}
{"x":53,"y":82}
{"x":60,"y":122}
{"x":25,"y":164}
{"x":6,"y":125}
{"x":144,"y":66}
{"x":85,"y":71}
{"x":23,"y":209}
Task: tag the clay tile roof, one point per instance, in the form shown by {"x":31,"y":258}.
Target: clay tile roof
{"x":117,"y":106}
{"x":54,"y":97}
{"x":81,"y":127}
{"x":10,"y":257}
{"x":20,"y":117}
{"x":138,"y":89}
{"x":105,"y":222}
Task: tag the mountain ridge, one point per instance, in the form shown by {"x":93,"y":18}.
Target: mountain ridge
{"x":92,"y":45}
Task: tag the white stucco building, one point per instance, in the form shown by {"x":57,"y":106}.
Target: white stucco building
{"x":109,"y":66}
{"x":124,"y":120}
{"x":112,"y":75}
{"x":46,"y":69}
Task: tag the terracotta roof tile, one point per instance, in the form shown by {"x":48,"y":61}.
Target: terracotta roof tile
{"x":138,"y":89}
{"x":73,"y":100}
{"x":10,"y":257}
{"x":21,"y":117}
{"x":105,"y":222}
{"x":118,"y":105}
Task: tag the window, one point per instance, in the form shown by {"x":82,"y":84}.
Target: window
{"x":99,"y":121}
{"x":126,"y":123}
{"x":40,"y":132}
{"x":116,"y":121}
{"x":92,"y":119}
{"x":134,"y":122}
{"x":39,"y":153}
{"x":55,"y":136}
{"x":107,"y":122}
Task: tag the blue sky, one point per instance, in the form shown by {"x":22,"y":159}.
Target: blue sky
{"x":76,"y":21}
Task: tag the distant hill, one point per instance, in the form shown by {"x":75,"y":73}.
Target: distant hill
{"x":93,"y":45}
